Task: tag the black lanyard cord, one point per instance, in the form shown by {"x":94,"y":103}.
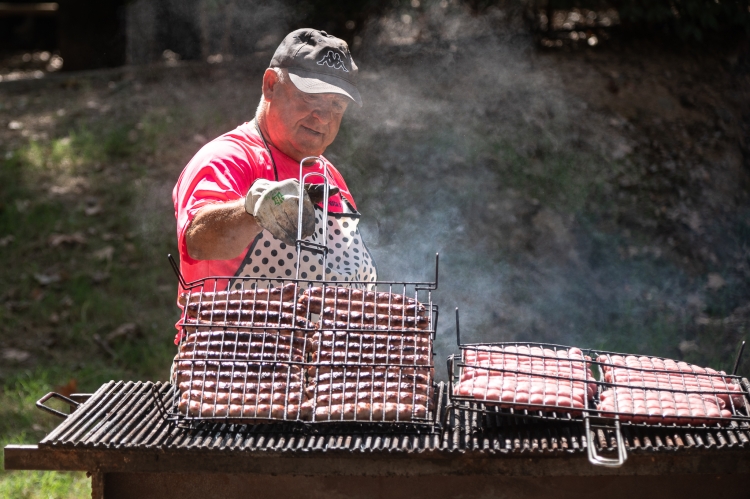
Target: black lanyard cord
{"x":265,"y":144}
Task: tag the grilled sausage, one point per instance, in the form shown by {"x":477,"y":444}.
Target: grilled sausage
{"x":659,"y":406}
{"x":248,"y":318}
{"x":224,"y":387}
{"x":263,"y":411}
{"x":358,"y":295}
{"x":355,"y":374}
{"x":372,"y":397}
{"x":282,"y":336}
{"x":407,"y":348}
{"x":287,"y":292}
{"x":316,"y":304}
{"x":364,"y":411}
{"x":477,"y":386}
{"x":240,"y":373}
{"x":666,"y":373}
{"x":332,"y":325}
{"x":292,"y":307}
{"x":353,"y":318}
{"x":339,"y":357}
{"x":247,"y":398}
{"x":272,"y":344}
{"x":268,"y":355}
{"x":367,"y":386}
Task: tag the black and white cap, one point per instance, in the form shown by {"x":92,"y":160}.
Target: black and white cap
{"x":318,"y":63}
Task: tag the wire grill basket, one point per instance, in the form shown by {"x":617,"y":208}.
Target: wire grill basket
{"x":597,"y":388}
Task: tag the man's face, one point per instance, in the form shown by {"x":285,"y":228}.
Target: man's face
{"x":298,"y":123}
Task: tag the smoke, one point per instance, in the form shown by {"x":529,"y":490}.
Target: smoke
{"x":467,"y":145}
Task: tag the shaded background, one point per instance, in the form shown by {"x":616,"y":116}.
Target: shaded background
{"x":582,"y":168}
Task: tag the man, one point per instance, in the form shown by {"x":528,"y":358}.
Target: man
{"x":236,"y":201}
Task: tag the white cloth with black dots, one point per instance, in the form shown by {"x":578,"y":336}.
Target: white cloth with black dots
{"x":348,"y":258}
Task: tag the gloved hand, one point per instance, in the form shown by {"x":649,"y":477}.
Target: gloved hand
{"x":275,"y":206}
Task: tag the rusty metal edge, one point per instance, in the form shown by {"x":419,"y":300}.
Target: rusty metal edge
{"x":32,"y":457}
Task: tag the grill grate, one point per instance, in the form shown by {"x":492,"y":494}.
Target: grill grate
{"x":124,"y":415}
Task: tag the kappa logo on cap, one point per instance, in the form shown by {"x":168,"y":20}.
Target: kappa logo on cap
{"x":333,"y":60}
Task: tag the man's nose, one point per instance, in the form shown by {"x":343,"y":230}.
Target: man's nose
{"x":323,"y":113}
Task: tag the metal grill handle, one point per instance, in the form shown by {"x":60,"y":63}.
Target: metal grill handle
{"x":72,"y":403}
{"x":594,"y":457}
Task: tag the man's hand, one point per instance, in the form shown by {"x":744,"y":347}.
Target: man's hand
{"x":221,"y":231}
{"x":275,"y":206}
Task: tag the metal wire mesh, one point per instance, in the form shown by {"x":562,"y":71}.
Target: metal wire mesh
{"x":305,"y":351}
{"x":555,"y":382}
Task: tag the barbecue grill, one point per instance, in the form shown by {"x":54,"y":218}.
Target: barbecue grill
{"x":607,"y":423}
{"x":118,"y":434}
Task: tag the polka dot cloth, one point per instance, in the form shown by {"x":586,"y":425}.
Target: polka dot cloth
{"x":348,"y":258}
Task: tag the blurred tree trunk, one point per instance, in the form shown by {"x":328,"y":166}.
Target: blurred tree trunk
{"x":92,"y":34}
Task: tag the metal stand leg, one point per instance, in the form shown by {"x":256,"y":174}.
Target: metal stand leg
{"x":97,"y":484}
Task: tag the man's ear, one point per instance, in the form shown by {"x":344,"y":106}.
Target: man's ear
{"x":270,"y":81}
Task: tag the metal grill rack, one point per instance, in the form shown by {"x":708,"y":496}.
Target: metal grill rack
{"x":588,"y":412}
{"x":257,"y":352}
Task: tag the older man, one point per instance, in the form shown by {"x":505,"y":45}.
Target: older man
{"x":236,"y":201}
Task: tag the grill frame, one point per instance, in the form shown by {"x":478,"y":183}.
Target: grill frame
{"x":122,"y":416}
{"x":416,"y":291}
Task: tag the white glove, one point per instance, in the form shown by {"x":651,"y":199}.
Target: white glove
{"x":275,"y":207}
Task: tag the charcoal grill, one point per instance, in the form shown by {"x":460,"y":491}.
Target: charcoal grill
{"x":608,"y":423}
{"x":119,"y":435}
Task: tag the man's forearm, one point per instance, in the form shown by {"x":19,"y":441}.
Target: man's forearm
{"x":221,"y":231}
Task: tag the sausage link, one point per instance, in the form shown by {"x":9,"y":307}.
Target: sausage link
{"x":248,"y":398}
{"x":224,"y":387}
{"x":248,"y":318}
{"x":263,"y":411}
{"x":373,"y":397}
{"x":332,"y":325}
{"x":359,"y":295}
{"x":281,"y":336}
{"x":353,"y":318}
{"x":287,"y":292}
{"x":339,"y":357}
{"x":367,"y":386}
{"x":291,"y":307}
{"x":364,"y":411}
{"x":316,"y":304}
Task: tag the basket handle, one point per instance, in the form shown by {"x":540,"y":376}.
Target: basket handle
{"x":72,"y":403}
{"x":598,"y":460}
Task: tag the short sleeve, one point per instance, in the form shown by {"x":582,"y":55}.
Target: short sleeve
{"x":218,"y":173}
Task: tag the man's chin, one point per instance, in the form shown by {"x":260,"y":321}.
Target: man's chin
{"x":310,"y":148}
